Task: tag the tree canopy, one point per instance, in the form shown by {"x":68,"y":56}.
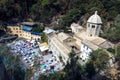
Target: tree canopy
{"x":67,"y":11}
{"x":117,"y":54}
{"x":112,"y":33}
{"x":39,"y":28}
{"x":99,"y":59}
{"x":45,"y":10}
{"x":12,"y":64}
{"x":44,"y":37}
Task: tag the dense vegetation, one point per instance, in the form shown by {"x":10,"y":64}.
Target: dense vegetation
{"x":115,"y":52}
{"x":44,"y":37}
{"x":112,"y":33}
{"x":39,"y":28}
{"x":45,"y":10}
{"x":12,"y":68}
{"x":64,"y":12}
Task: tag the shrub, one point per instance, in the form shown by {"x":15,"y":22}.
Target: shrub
{"x":111,"y":50}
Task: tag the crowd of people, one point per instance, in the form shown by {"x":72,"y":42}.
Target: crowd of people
{"x":31,"y":55}
{"x":26,"y":49}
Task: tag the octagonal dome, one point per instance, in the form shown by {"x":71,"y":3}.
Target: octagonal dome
{"x":95,"y":18}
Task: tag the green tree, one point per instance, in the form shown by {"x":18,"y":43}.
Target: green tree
{"x":93,"y":6}
{"x":99,"y":59}
{"x":44,"y":37}
{"x":12,"y":63}
{"x":45,"y":2}
{"x":39,"y":28}
{"x":72,"y":16}
{"x":112,"y":33}
{"x":111,"y":50}
{"x":44,"y":10}
{"x":73,"y":70}
{"x":89,"y":70}
{"x":28,"y":74}
{"x":117,"y":19}
{"x":117,"y":54}
{"x":56,"y":76}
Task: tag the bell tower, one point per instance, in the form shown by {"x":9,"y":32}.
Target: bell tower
{"x":94,"y":25}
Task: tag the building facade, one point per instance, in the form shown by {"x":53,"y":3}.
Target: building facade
{"x":76,"y":28}
{"x":58,"y":48}
{"x":89,"y":39}
{"x":86,"y":48}
{"x":83,"y":41}
{"x":24,"y":31}
{"x":15,"y":30}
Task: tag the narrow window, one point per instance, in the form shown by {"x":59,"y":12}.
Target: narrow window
{"x":93,"y":26}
